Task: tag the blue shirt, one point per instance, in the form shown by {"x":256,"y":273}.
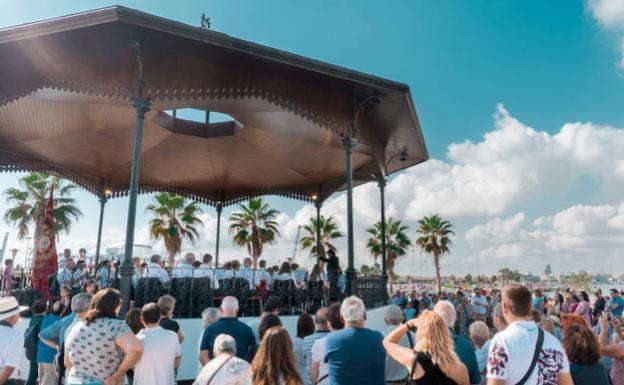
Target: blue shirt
{"x":355,"y":356}
{"x":308,"y":341}
{"x":45,"y":354}
{"x":56,"y":331}
{"x":231,"y":326}
{"x":617,"y":306}
{"x":467,"y":355}
{"x":589,"y":374}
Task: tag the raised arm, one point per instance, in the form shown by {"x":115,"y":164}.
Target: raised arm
{"x":606,"y":348}
{"x":401,"y":354}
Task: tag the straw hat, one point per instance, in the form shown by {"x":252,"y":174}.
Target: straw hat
{"x":10,"y":307}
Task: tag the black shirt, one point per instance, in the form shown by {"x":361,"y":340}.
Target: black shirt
{"x":169,"y":324}
{"x":333,"y":263}
{"x":599,"y":306}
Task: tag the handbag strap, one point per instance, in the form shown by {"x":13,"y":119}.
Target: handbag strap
{"x":413,"y":370}
{"x":538,"y":349}
{"x":409,"y":338}
{"x":218,"y":369}
{"x":324,"y":376}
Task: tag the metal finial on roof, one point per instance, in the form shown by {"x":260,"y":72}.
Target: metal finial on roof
{"x":205,"y":22}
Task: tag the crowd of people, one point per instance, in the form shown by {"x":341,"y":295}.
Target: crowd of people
{"x":522,"y":338}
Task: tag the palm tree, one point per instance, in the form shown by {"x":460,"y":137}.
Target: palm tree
{"x":329,"y":232}
{"x":27,"y":204}
{"x":173,"y":221}
{"x":397,"y":243}
{"x":253,"y":226}
{"x":435,"y":239}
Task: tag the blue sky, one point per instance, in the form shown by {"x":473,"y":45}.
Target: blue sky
{"x":548,"y":62}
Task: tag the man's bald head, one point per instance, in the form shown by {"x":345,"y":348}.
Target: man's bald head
{"x":321,"y":319}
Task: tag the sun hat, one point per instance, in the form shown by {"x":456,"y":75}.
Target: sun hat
{"x":9,"y":307}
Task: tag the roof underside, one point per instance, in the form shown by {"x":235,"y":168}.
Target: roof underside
{"x":65,"y":108}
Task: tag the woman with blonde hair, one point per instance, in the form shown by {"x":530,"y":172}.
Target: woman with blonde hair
{"x":274,"y":363}
{"x":433,"y":360}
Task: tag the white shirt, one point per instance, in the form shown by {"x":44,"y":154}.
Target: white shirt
{"x":207,"y":271}
{"x":511,"y":352}
{"x":263,"y":275}
{"x":285,"y":277}
{"x":185,"y":270}
{"x":234,"y":372}
{"x":154,"y":270}
{"x":479,"y":304}
{"x":160,"y":349}
{"x":223,"y":274}
{"x":138,"y":274}
{"x":11,"y":349}
{"x":318,"y":355}
{"x":248,"y":274}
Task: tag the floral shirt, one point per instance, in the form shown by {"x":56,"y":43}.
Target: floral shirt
{"x":92,"y":349}
{"x":511,"y":352}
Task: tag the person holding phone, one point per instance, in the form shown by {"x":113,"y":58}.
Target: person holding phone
{"x":615,"y":350}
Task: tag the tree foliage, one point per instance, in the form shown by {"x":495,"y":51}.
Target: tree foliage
{"x":173,"y":220}
{"x":253,"y":226}
{"x":435,"y":239}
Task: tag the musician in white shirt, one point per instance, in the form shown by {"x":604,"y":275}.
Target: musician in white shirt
{"x":185,"y":269}
{"x":206,"y":270}
{"x":263,"y":275}
{"x":155,"y":270}
{"x":247,"y":272}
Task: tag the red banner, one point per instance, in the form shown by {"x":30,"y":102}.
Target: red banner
{"x":45,"y":262}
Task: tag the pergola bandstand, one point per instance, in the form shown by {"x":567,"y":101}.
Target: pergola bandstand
{"x":86,"y":96}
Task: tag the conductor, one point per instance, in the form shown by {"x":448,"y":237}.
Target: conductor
{"x":333,"y":271}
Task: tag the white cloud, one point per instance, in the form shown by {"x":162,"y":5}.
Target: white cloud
{"x":610,"y":15}
{"x":578,"y":237}
{"x":497,"y":228}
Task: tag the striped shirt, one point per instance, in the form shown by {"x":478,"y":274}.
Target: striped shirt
{"x":308,"y":341}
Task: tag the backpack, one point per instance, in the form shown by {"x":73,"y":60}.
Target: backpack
{"x":31,"y":339}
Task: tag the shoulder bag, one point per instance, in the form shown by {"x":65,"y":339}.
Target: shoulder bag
{"x":218,"y":370}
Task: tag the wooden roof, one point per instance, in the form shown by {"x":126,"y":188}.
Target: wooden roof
{"x":66,"y":86}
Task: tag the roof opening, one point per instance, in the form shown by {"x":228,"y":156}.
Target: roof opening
{"x":199,"y":116}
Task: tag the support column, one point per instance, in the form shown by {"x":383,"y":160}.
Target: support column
{"x":382,"y":194}
{"x":103,"y":199}
{"x":348,"y":143}
{"x":318,"y":205}
{"x":141,"y":105}
{"x":219,"y":210}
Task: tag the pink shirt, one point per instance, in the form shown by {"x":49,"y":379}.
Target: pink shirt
{"x":617,"y":369}
{"x":583,"y":309}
